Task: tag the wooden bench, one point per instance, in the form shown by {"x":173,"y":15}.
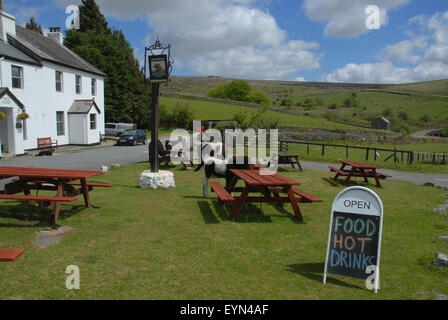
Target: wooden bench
{"x":339,"y":171}
{"x":37,"y":198}
{"x":91,"y":184}
{"x":46,"y":145}
{"x":221,"y":192}
{"x":306,"y":197}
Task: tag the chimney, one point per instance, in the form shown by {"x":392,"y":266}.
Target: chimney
{"x":55,"y":35}
{"x":7,"y":24}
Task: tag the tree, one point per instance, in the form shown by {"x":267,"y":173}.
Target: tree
{"x":91,"y":19}
{"x":127,"y":95}
{"x":34,"y":26}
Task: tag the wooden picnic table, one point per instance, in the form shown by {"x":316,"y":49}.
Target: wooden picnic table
{"x":269,"y":186}
{"x":63,"y":181}
{"x":285,"y":157}
{"x":358,"y":169}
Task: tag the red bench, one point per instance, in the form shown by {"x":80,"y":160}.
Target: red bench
{"x":46,"y":145}
{"x":306,"y":197}
{"x":37,"y":198}
{"x":221,"y":192}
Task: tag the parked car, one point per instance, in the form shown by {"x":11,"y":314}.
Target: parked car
{"x":115,"y":129}
{"x":132,"y":137}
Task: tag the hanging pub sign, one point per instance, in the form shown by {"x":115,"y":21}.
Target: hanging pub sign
{"x":158,"y":67}
{"x":354,"y":238}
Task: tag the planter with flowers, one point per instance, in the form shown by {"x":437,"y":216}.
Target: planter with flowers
{"x":2,"y":115}
{"x":22,"y":116}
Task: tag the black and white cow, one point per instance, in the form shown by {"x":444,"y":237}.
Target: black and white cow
{"x":219,"y":167}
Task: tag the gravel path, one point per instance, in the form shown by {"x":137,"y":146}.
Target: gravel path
{"x":440,"y":180}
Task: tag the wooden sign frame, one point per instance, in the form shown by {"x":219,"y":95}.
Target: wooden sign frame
{"x":362,"y":202}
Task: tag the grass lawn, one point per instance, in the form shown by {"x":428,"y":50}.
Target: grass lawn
{"x":174,"y":244}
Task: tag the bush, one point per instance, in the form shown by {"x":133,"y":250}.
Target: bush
{"x":255,"y":120}
{"x":347,"y":103}
{"x":180,"y":116}
{"x":240,"y":90}
{"x":333,"y":106}
{"x":286,"y":102}
{"x":388,"y":112}
{"x":259,"y":97}
{"x":403,"y":115}
{"x":425,"y":118}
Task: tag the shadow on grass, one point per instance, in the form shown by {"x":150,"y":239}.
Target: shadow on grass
{"x":207,"y":213}
{"x":351,"y":183}
{"x":315,"y":271}
{"x":28,"y":215}
{"x":248,"y":214}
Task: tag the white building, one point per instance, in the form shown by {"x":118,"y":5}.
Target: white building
{"x":61,"y":92}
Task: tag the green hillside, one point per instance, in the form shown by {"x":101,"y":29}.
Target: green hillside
{"x":407,"y":112}
{"x":437,"y":87}
{"x":205,"y":110}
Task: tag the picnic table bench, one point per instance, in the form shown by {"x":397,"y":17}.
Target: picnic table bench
{"x":25,"y":179}
{"x":269,"y":186}
{"x":358,"y":169}
{"x":46,"y":145}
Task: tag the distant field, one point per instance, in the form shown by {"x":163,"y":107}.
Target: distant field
{"x":216,"y":111}
{"x":438,"y":87}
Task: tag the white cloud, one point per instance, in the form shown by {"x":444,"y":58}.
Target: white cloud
{"x":251,"y":63}
{"x":347,"y":18}
{"x":423,"y":57}
{"x":219,"y":37}
{"x":404,"y":51}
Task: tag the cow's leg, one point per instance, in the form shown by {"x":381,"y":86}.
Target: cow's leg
{"x":205,"y":187}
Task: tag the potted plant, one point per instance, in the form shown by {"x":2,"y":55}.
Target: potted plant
{"x":23,"y":116}
{"x":2,"y":115}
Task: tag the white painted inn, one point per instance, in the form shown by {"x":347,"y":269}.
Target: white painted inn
{"x":62,"y":93}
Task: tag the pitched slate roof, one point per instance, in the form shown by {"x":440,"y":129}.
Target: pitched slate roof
{"x":12,"y":53}
{"x":42,"y":48}
{"x":83,"y":106}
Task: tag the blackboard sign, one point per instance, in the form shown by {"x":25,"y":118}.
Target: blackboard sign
{"x":354,"y":239}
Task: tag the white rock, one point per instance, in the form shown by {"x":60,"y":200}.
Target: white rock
{"x":155,"y":180}
{"x":115,"y":166}
{"x":441,"y":260}
{"x":104,"y":168}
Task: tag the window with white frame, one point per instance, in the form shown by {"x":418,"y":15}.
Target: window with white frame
{"x":59,"y":81}
{"x":93,"y":121}
{"x":17,"y":77}
{"x":93,"y":87}
{"x":60,"y":127}
{"x":78,"y":84}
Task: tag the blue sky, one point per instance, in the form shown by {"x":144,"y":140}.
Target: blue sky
{"x":311,"y":40}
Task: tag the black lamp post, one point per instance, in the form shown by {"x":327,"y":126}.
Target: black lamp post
{"x":159,"y":63}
